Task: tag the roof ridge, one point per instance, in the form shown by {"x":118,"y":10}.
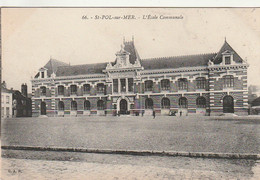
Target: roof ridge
{"x":85,"y":64}
{"x":179,"y":56}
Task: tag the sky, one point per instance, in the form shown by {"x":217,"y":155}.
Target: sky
{"x":31,"y":36}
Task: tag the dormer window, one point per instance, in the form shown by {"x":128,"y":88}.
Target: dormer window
{"x":227,"y":60}
{"x":42,"y":73}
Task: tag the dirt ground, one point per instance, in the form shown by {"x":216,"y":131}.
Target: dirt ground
{"x":77,"y":166}
{"x":164,"y":133}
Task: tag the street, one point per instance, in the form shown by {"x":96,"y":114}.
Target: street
{"x":65,"y":165}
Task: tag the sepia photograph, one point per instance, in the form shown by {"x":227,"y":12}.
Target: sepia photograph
{"x":130,"y":93}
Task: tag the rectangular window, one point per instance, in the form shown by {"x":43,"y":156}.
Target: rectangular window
{"x":7,"y":99}
{"x":60,"y":90}
{"x":100,"y":88}
{"x":7,"y":111}
{"x":130,"y":84}
{"x":73,"y":89}
{"x":43,"y":91}
{"x":201,"y":83}
{"x":115,"y":85}
{"x":42,"y":73}
{"x":228,"y":81}
{"x":86,"y":88}
{"x":123,"y":85}
{"x":183,"y":84}
{"x":2,"y":111}
{"x":148,"y":85}
{"x":165,"y":84}
{"x":227,"y":60}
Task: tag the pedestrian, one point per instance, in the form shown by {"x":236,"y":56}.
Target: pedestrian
{"x":142,"y":113}
{"x":180,"y":113}
{"x":153,"y":113}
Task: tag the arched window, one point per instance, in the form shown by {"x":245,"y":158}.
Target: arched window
{"x":73,"y":89}
{"x":201,"y":102}
{"x":228,"y":81}
{"x":165,"y":84}
{"x":228,"y":104}
{"x":100,"y":105}
{"x":182,"y":84}
{"x":165,"y":103}
{"x":201,"y":83}
{"x":100,"y":88}
{"x":61,"y":106}
{"x":43,"y":91}
{"x":148,"y":103}
{"x":183,"y":103}
{"x":73,"y":105}
{"x":60,"y":90}
{"x":148,"y":85}
{"x":86,"y":88}
{"x":86,"y":105}
{"x":43,"y":108}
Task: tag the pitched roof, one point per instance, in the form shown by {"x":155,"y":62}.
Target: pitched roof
{"x":130,"y":47}
{"x":256,"y":102}
{"x":177,"y":61}
{"x":63,"y":69}
{"x":52,"y":66}
{"x":81,"y":69}
{"x":227,"y":47}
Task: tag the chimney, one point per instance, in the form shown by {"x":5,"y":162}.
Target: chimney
{"x":24,"y":90}
{"x":4,"y":84}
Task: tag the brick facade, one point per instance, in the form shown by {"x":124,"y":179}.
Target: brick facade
{"x":193,"y":85}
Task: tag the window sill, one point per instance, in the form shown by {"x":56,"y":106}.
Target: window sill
{"x":182,"y":90}
{"x":228,"y":88}
{"x":201,"y":89}
{"x":146,"y":91}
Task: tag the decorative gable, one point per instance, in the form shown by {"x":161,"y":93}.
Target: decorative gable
{"x":227,"y":53}
{"x":125,"y":59}
{"x":122,"y":58}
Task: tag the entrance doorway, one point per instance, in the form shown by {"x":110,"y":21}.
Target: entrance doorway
{"x":43,"y":108}
{"x":228,"y":104}
{"x":123,"y":107}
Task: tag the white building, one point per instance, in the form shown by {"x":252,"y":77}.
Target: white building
{"x":6,"y":102}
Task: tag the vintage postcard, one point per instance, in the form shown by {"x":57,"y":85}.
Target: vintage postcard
{"x":130,"y":93}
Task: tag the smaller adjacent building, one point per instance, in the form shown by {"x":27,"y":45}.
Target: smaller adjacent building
{"x":6,"y":101}
{"x":22,"y":104}
{"x":15,"y":103}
